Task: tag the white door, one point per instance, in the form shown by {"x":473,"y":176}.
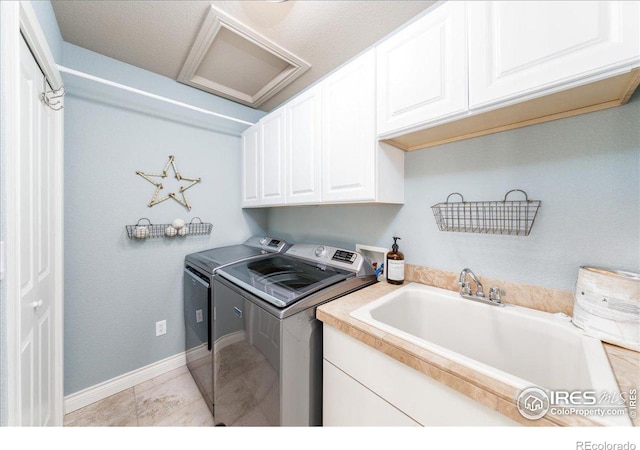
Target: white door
{"x":250,"y":166}
{"x":422,"y":70}
{"x":349,"y":132}
{"x":37,"y":232}
{"x":272,"y":163}
{"x":304,"y":156}
{"x":523,"y":48}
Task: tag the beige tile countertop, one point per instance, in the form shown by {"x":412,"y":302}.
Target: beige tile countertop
{"x":483,"y":388}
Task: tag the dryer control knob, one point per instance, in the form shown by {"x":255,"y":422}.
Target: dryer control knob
{"x":320,"y":251}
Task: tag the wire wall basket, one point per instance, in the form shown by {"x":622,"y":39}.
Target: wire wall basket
{"x":513,"y":217}
{"x":149,"y":230}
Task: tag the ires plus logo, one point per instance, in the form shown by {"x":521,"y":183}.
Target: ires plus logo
{"x":534,"y":403}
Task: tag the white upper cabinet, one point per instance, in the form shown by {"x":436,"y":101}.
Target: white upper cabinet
{"x":250,"y":166}
{"x":349,"y":132}
{"x":321,"y":147}
{"x":521,"y":49}
{"x":527,"y":62}
{"x":303,"y":148}
{"x":272,"y":159}
{"x":422,"y":70}
{"x":464,"y":69}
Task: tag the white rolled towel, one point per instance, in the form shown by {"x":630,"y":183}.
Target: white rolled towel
{"x":141,"y":232}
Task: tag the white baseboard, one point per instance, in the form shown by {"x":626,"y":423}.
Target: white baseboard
{"x":102,"y":390}
{"x":195,"y":353}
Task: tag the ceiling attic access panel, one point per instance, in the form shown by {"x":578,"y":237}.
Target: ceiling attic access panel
{"x":233,"y":61}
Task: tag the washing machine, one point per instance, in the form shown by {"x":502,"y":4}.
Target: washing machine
{"x":267,"y":351}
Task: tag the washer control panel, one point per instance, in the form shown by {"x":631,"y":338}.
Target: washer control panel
{"x":345,"y":256}
{"x":331,"y":256}
{"x":266,"y":243}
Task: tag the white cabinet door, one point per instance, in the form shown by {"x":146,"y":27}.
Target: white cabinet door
{"x":348,"y":132}
{"x":272,"y":159}
{"x":422,"y":70}
{"x":304,"y":157}
{"x":520,"y":49}
{"x":345,"y":402}
{"x":250,"y":166}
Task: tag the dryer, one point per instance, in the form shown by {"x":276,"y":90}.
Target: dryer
{"x":199,"y":270}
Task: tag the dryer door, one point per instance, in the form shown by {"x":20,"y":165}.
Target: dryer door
{"x":197,"y":324}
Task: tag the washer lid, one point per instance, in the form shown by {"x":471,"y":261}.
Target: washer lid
{"x":209,"y":260}
{"x":282,"y":280}
{"x":212,"y":259}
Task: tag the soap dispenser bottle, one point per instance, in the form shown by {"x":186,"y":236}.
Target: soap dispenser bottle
{"x":395,"y":264}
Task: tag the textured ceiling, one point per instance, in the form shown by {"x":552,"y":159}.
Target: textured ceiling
{"x":157,"y":35}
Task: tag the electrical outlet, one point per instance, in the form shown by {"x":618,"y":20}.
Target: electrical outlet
{"x":161,"y":328}
{"x":199,"y":316}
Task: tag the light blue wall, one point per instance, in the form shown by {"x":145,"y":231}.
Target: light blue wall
{"x":116,"y":288}
{"x":585,"y":170}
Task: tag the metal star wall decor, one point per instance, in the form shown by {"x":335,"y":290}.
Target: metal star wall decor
{"x":155,"y":200}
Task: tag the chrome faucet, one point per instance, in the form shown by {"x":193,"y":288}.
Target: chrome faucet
{"x":465,"y":287}
{"x":466,"y":292}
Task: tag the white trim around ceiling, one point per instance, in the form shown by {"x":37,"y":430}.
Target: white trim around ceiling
{"x":213,"y":23}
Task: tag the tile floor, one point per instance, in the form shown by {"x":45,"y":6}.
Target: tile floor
{"x":171,"y":399}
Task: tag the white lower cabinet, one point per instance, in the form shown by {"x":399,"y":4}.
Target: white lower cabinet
{"x":362,"y":386}
{"x":348,"y":403}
